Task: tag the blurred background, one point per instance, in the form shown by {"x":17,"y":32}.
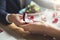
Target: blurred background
{"x":47,"y":3}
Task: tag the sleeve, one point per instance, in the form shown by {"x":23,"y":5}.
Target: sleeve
{"x":27,"y":2}
{"x":3,"y":12}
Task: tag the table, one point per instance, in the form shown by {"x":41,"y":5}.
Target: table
{"x":30,"y":37}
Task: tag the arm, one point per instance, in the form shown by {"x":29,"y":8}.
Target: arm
{"x":3,"y":13}
{"x":42,"y":28}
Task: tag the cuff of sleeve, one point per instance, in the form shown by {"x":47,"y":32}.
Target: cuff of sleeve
{"x":7,"y":18}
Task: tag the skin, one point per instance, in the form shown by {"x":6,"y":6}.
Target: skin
{"x":16,"y":20}
{"x":42,"y":28}
{"x":35,"y":27}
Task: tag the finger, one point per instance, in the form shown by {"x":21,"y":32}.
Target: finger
{"x":12,"y":26}
{"x":19,"y":21}
{"x":41,"y":23}
{"x":22,"y":32}
{"x":35,"y":23}
{"x":18,"y":30}
{"x":20,"y":16}
{"x":25,"y":25}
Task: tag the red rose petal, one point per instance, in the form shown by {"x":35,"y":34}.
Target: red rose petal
{"x":55,"y":20}
{"x":31,"y":17}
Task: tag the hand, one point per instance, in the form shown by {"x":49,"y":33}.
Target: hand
{"x":42,"y":28}
{"x":35,"y":27}
{"x":18,"y":30}
{"x":17,"y":19}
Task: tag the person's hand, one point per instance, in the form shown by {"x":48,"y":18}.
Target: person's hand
{"x":35,"y":27}
{"x":41,"y":28}
{"x":18,"y":30}
{"x":17,"y":19}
